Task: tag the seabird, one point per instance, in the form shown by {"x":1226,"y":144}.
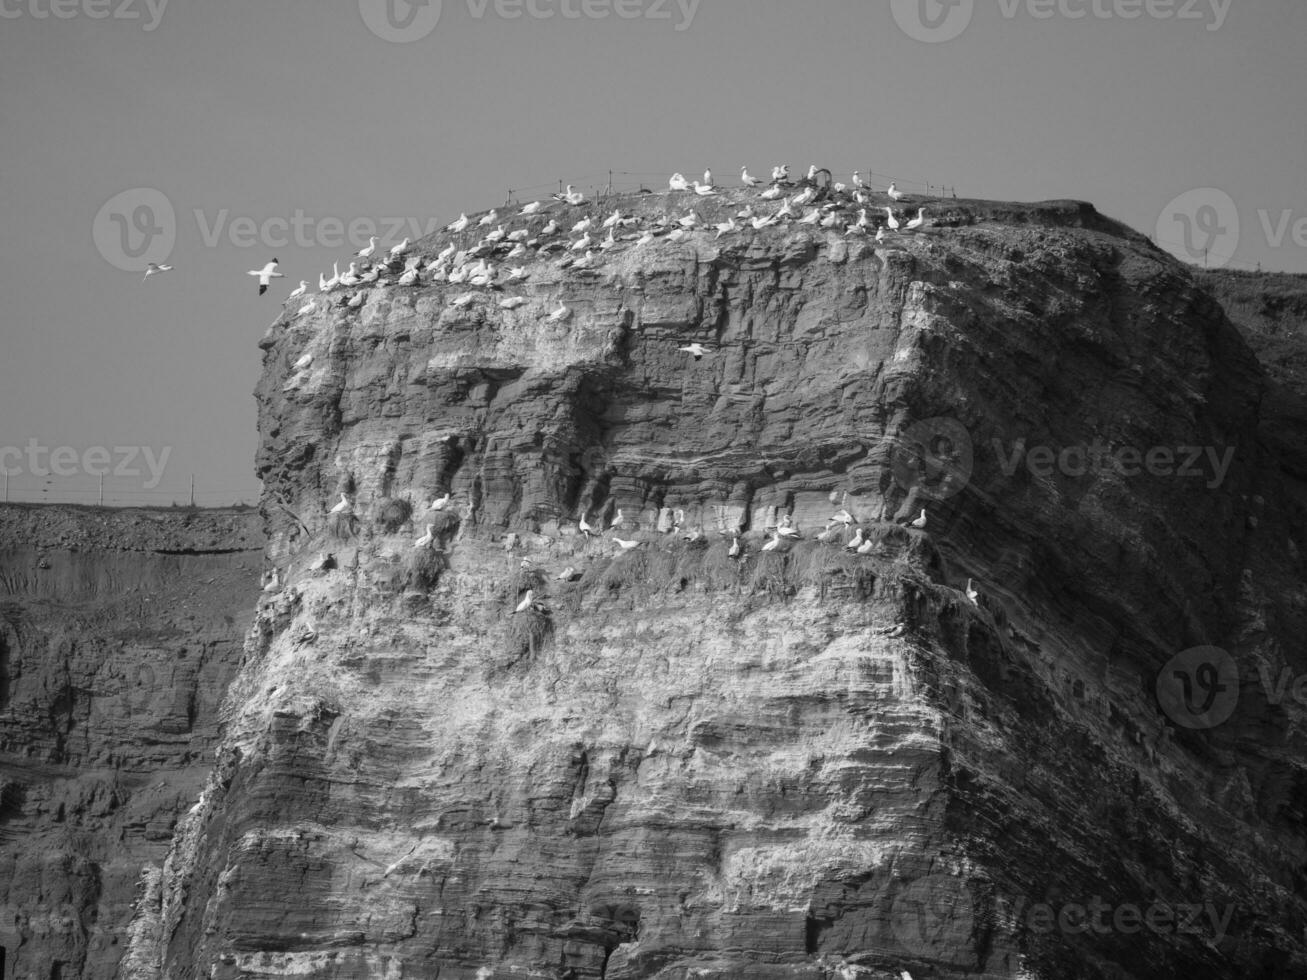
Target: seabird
{"x":610,"y":241}
{"x":843,"y":517}
{"x":866,"y":547}
{"x":617,"y":519}
{"x":858,"y":182}
{"x":893,"y":221}
{"x":526,"y":602}
{"x":697,"y":349}
{"x":972,"y":594}
{"x":582,"y":243}
{"x":760,"y":223}
{"x":357,"y":299}
{"x":489,"y":218}
{"x":612,"y":220}
{"x":689,"y":221}
{"x":920,"y":522}
{"x":855,"y":542}
{"x":511,"y":302}
{"x":645,"y":239}
{"x":831,"y":220}
{"x":560,"y":314}
{"x":880,"y":234}
{"x":343,"y":506}
{"x":812,"y":171}
{"x":726,"y":227}
{"x":426,"y":539}
{"x":573,"y":197}
{"x":306,"y":308}
{"x":771,"y":193}
{"x":497,"y":235}
{"x":531,"y":208}
{"x":832,"y":531}
{"x":266,"y":275}
{"x":303,"y":362}
{"x":367,"y":251}
{"x":151,"y":269}
{"x":550,"y":229}
{"x":704,"y":190}
{"x":678,"y":183}
{"x":734,"y":550}
{"x":918,"y":221}
{"x":400,"y":249}
{"x":774,"y":543}
{"x":625,"y":545}
{"x":300,"y":291}
{"x":811,"y":218}
{"x":584,"y":526}
{"x":464,"y":300}
{"x":707,"y":177}
{"x":585,"y":224}
{"x":894,"y":193}
{"x":516,"y":273}
{"x":748,"y":180}
{"x":460,"y":224}
{"x":567,"y":574}
{"x":586,"y":261}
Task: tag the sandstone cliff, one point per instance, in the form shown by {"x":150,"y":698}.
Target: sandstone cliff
{"x":805,"y":763}
{"x":120,"y":632}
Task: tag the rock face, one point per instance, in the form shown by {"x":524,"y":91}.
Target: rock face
{"x":810,"y":763}
{"x":120,"y":632}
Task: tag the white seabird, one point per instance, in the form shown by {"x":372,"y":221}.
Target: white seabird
{"x":440,"y":502}
{"x":697,"y":349}
{"x":771,"y":193}
{"x":526,"y":602}
{"x":893,"y":222}
{"x":266,"y":275}
{"x":774,"y":543}
{"x":531,"y":208}
{"x":707,"y":177}
{"x":304,"y":361}
{"x":573,"y":197}
{"x":560,"y":314}
{"x":306,"y":308}
{"x":584,"y":225}
{"x":855,"y":542}
{"x":625,"y":545}
{"x":677,"y":182}
{"x":972,"y":594}
{"x":367,"y":250}
{"x":704,"y":190}
{"x":426,"y":539}
{"x":343,"y":506}
{"x":400,"y":249}
{"x":151,"y":269}
{"x":918,"y":221}
{"x":920,"y":522}
{"x":748,"y":179}
{"x":489,"y":218}
{"x":894,"y":193}
{"x":300,"y":291}
{"x":511,"y":302}
{"x":584,"y":526}
{"x":460,"y":224}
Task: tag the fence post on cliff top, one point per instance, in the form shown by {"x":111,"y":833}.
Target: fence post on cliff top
{"x":101,"y":489}
{"x":192,"y":489}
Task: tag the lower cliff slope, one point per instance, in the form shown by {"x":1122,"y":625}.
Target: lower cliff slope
{"x":809,"y":762}
{"x":120,"y":631}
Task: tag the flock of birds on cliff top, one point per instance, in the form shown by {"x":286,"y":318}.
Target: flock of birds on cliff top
{"x":581,"y":246}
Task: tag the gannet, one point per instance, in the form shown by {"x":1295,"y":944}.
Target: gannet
{"x":894,"y":193}
{"x":573,"y":197}
{"x":866,"y":547}
{"x":560,"y":314}
{"x":785,"y":211}
{"x":811,"y":218}
{"x":367,"y":250}
{"x":517,"y":251}
{"x":532,"y":208}
{"x":300,"y":290}
{"x":831,"y":220}
{"x":625,"y":545}
{"x":843,"y":517}
{"x":426,"y":539}
{"x":306,"y":308}
{"x":747,"y":179}
{"x":526,"y":602}
{"x":266,"y":275}
{"x":689,"y":221}
{"x":464,"y":300}
{"x":585,"y":224}
{"x":678,"y":235}
{"x":786,"y":530}
{"x":304,"y":361}
{"x":584,"y":526}
{"x":400,"y":249}
{"x":893,"y":221}
{"x":726,"y":227}
{"x":409,"y":278}
{"x":460,"y":224}
{"x":343,"y":506}
{"x":761,"y":223}
{"x":325,"y":284}
{"x":774,"y":543}
{"x":582,"y":243}
{"x":567,"y":574}
{"x":734,"y":550}
{"x":780,"y":173}
{"x":804,"y":196}
{"x":880,"y":234}
{"x":511,"y":302}
{"x":832,"y":531}
{"x":697,"y":349}
{"x":151,"y":269}
{"x":920,"y":521}
{"x":610,"y":241}
{"x":812,"y":172}
{"x":357,"y":299}
{"x":350,"y":277}
{"x":521,"y":235}
{"x":585,"y":261}
{"x":516,"y":273}
{"x":855,"y":542}
{"x":704,"y":190}
{"x":497,"y":235}
{"x":678,"y":183}
{"x":972,"y":594}
{"x":617,"y":519}
{"x":858,"y":182}
{"x":612,"y":220}
{"x":549,"y":229}
{"x":707,"y":177}
{"x":489,"y":218}
{"x":440,"y":502}
{"x":918,"y":221}
{"x":771,"y":193}
{"x":645,"y":239}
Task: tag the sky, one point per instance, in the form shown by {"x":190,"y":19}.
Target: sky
{"x":217,"y":136}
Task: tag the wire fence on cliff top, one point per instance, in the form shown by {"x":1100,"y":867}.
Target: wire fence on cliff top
{"x":91,"y":491}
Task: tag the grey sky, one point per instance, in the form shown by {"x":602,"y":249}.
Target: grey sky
{"x":265,"y":110}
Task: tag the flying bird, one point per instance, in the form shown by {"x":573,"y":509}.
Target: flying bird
{"x":266,"y":275}
{"x":151,"y":270}
{"x":697,"y":349}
